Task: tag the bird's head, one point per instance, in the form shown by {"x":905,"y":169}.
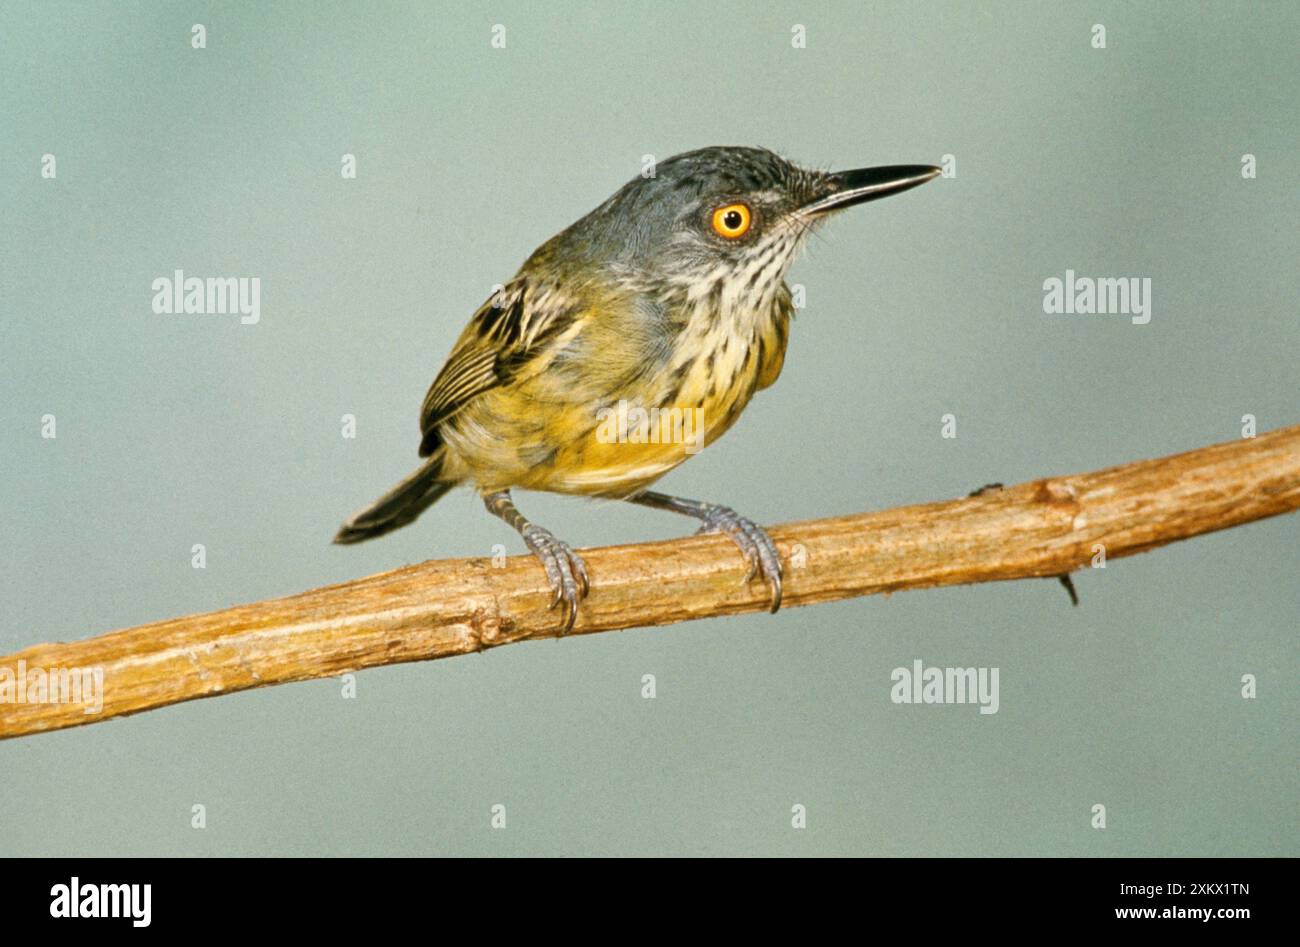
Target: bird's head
{"x":721,"y":217}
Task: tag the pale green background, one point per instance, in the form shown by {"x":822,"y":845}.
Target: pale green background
{"x":175,"y":430}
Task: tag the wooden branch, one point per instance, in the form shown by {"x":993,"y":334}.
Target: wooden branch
{"x":449,"y":607}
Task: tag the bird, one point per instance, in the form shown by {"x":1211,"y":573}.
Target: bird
{"x":624,"y":344}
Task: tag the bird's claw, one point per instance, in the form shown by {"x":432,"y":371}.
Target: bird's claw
{"x":565,"y":570}
{"x":760,"y":552}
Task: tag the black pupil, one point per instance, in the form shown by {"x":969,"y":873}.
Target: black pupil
{"x":732,"y":219}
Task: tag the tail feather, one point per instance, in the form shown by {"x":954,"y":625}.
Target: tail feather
{"x":399,"y":506}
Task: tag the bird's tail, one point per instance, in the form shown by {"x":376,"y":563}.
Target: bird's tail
{"x":400,"y":505}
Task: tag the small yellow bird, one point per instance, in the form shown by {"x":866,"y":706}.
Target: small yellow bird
{"x":623,"y":345}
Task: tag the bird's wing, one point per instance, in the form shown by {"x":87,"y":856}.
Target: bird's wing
{"x":498,"y":341}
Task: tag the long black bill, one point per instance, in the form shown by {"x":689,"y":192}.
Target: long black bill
{"x":869,"y":184}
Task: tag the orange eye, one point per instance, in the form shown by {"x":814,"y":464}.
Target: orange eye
{"x":732,"y":221}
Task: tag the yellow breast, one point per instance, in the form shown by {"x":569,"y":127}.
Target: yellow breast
{"x":585,"y":435}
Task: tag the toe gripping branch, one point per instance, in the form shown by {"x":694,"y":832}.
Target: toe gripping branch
{"x":760,"y":552}
{"x":565,"y":569}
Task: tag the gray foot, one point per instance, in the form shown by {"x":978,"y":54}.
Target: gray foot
{"x":565,"y":570}
{"x":760,"y":552}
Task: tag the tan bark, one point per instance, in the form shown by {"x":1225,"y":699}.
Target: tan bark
{"x":449,"y":607}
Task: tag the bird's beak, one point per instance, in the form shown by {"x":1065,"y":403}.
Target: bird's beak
{"x":846,"y":188}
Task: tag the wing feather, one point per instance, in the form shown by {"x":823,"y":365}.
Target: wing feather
{"x":498,"y":342}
